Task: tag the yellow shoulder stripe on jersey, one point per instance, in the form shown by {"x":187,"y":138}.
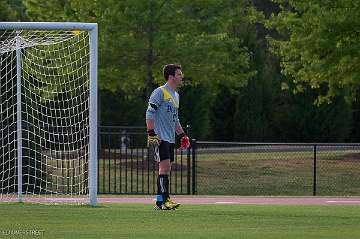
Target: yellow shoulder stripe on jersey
{"x":169,"y":97}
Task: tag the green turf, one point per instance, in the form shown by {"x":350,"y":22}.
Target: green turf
{"x":205,"y":221}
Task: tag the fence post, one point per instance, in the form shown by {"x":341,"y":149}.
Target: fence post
{"x":188,"y":155}
{"x":187,"y":129}
{"x":193,"y":150}
{"x":314,"y":171}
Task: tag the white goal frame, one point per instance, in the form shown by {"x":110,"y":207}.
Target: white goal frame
{"x":93,"y":94}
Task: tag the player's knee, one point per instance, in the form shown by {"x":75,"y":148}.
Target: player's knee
{"x":164,"y":167}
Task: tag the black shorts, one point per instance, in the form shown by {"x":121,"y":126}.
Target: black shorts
{"x":166,"y":151}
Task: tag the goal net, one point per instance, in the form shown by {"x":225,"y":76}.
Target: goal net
{"x":48,"y":101}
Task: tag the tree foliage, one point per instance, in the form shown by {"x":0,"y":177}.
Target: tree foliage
{"x":239,"y":84}
{"x":7,"y":12}
{"x":138,"y":37}
{"x":319,"y":45}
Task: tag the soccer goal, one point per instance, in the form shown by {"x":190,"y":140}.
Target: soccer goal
{"x":48,"y":104}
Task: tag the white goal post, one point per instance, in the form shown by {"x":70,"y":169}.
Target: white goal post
{"x":48,"y":112}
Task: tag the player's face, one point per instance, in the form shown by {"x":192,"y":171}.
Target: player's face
{"x":178,"y":78}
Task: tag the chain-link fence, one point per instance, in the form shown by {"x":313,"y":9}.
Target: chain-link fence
{"x":225,"y":168}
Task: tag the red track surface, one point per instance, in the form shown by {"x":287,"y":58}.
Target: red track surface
{"x":206,"y":200}
{"x":240,"y":200}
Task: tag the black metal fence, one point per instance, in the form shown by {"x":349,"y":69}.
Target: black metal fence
{"x":277,"y":169}
{"x":125,"y":166}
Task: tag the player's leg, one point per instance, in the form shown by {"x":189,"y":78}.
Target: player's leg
{"x":166,"y":155}
{"x":170,"y":203}
{"x":163,"y":178}
{"x":163,"y":175}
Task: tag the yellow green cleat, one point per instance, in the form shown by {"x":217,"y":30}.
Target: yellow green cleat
{"x":171,"y":204}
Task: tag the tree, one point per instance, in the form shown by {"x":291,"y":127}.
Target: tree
{"x":7,"y":12}
{"x":195,"y":110}
{"x":246,"y":109}
{"x":222,"y":115}
{"x":138,"y":37}
{"x":319,"y":45}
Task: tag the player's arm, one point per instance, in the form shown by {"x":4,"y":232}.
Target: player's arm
{"x":150,"y":124}
{"x":185,"y":141}
{"x":153,"y":138}
{"x":153,"y":105}
{"x":179,"y":130}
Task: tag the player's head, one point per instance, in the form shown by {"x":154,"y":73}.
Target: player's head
{"x":173,"y":73}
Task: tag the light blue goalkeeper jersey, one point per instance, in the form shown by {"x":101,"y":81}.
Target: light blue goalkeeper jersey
{"x":163,"y":109}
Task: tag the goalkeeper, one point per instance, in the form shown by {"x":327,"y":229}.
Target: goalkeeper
{"x":162,"y":123}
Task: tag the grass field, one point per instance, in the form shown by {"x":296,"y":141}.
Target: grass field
{"x":200,"y":221}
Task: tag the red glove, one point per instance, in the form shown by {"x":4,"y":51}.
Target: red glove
{"x":185,"y":142}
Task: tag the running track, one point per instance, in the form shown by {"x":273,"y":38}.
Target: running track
{"x":208,"y":200}
{"x":205,"y":200}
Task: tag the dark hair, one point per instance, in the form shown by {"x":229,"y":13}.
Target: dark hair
{"x":170,"y":69}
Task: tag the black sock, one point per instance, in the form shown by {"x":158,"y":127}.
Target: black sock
{"x":159,"y":197}
{"x":158,"y":186}
{"x":163,"y":186}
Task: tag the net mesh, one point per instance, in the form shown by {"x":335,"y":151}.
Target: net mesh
{"x":54,"y":114}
